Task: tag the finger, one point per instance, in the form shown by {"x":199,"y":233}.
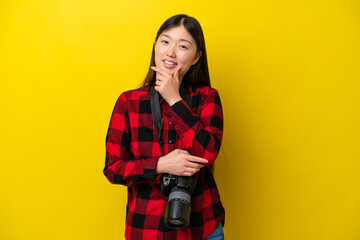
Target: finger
{"x":187,"y":174}
{"x":182,"y":151}
{"x":160,"y":71}
{"x":190,"y":171}
{"x":197,"y":159}
{"x":157,"y":71}
{"x":161,"y":77}
{"x":194,"y":165}
{"x":157,"y":83}
{"x":176,"y":73}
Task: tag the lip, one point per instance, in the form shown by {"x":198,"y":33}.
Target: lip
{"x":170,"y":66}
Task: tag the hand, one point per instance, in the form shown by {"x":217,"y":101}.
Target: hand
{"x":168,"y":85}
{"x":180,"y":163}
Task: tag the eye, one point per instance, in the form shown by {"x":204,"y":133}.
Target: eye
{"x":164,"y":41}
{"x":183,"y":47}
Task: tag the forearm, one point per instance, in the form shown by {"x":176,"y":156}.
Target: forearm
{"x":200,"y":134}
{"x":130,"y":172}
{"x":200,"y":141}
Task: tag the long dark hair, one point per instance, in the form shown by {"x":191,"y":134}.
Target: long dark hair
{"x":198,"y":74}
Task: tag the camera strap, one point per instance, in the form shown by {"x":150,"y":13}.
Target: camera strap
{"x":156,"y":109}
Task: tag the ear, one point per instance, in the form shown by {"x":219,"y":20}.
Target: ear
{"x":196,"y":58}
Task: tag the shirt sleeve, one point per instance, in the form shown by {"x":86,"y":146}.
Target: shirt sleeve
{"x":120,"y":167}
{"x":200,"y":133}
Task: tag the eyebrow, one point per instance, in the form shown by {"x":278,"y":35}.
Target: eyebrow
{"x":184,"y":40}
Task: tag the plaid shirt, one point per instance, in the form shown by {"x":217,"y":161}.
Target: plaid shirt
{"x":132,"y":153}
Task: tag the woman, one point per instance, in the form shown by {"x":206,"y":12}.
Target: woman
{"x":139,"y":156}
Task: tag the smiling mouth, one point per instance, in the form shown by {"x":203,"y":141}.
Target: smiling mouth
{"x":169,"y":62}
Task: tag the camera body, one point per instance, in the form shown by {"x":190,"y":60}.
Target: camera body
{"x":178,"y":209}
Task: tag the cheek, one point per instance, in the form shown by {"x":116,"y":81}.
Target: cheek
{"x":184,"y":68}
{"x":187,"y":63}
{"x":157,"y":51}
{"x":157,"y":58}
{"x":156,"y":54}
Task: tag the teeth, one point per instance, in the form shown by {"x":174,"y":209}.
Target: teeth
{"x":171,"y":63}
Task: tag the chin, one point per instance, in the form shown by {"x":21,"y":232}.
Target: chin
{"x":170,"y":71}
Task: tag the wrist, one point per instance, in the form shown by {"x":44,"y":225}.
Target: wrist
{"x":174,"y":100}
{"x":159,"y":165}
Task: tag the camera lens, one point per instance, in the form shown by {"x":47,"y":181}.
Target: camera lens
{"x":176,"y":222}
{"x":178,"y":209}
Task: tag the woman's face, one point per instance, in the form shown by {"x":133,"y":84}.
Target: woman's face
{"x":175,"y":48}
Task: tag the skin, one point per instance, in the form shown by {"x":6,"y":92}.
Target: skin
{"x":178,"y":48}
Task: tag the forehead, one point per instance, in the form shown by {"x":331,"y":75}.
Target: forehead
{"x":178,"y":33}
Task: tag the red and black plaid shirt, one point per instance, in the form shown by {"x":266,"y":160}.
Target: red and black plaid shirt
{"x":132,"y":153}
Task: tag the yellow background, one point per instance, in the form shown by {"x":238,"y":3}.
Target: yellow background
{"x":288,"y":74}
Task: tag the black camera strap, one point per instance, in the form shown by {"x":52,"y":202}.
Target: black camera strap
{"x":176,"y":209}
{"x":156,"y":109}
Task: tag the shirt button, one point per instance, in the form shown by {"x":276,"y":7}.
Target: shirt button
{"x":169,"y":123}
{"x":170,"y":141}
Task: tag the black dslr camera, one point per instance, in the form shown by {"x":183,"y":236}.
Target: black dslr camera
{"x":178,"y":208}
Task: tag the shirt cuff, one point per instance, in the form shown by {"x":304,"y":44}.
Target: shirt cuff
{"x":180,"y":108}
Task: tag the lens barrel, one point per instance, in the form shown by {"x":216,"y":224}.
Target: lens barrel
{"x":178,"y":209}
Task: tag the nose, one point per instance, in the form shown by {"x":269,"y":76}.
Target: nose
{"x":171,"y":51}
